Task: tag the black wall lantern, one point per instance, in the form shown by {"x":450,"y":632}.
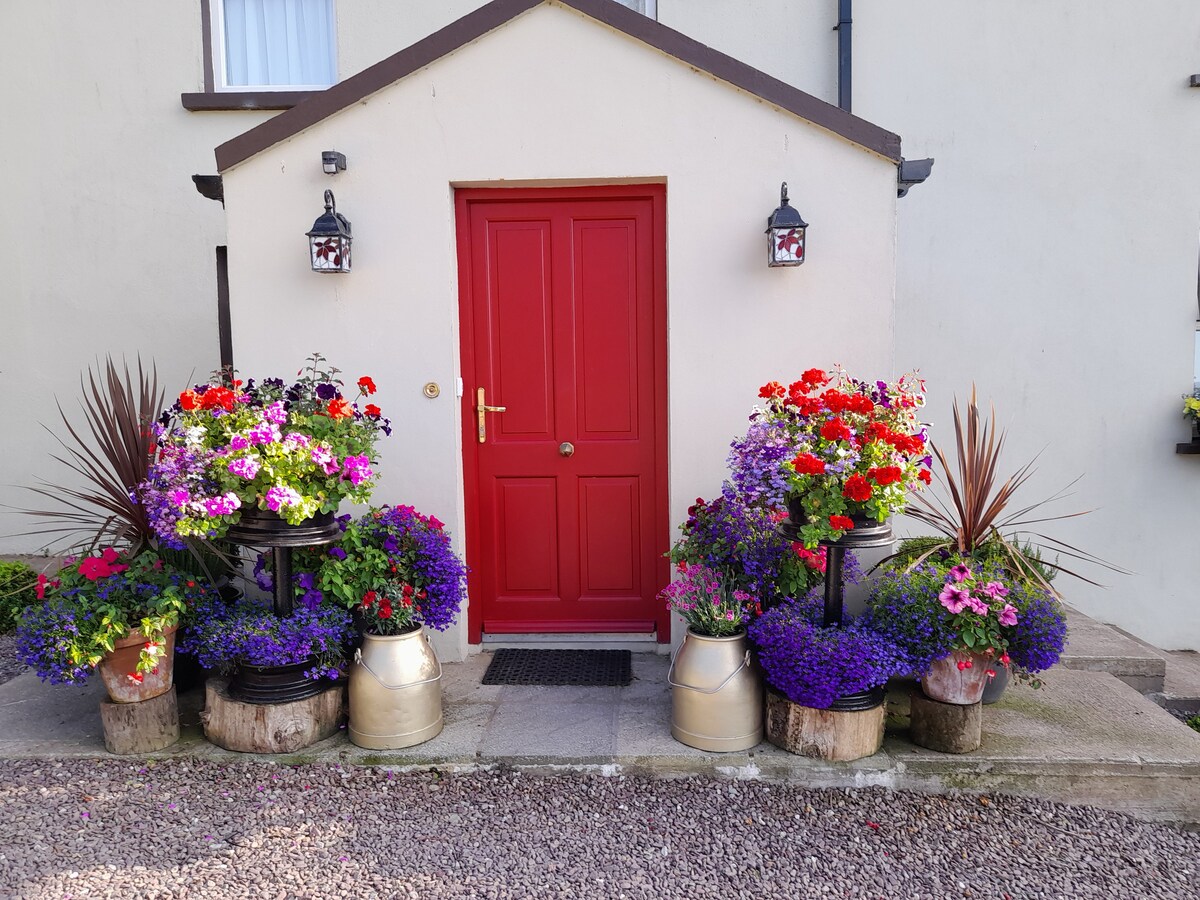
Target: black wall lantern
{"x":785,"y":234}
{"x":329,"y":240}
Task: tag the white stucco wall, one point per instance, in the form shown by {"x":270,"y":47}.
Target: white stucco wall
{"x":734,"y":323}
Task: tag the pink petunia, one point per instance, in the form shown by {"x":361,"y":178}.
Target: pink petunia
{"x":1008,"y":615}
{"x":995,"y":590}
{"x":954,"y":598}
{"x":960,"y":572}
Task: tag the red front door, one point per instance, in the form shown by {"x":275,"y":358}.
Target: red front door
{"x":563,"y":310}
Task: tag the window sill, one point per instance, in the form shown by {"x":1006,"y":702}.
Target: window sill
{"x":225,"y":100}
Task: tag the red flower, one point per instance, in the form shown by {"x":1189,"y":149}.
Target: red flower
{"x":366,"y":385}
{"x":807,"y":464}
{"x":385,"y":609}
{"x":94,"y":568}
{"x":189,"y":400}
{"x":841,"y":523}
{"x":877,"y":431}
{"x":369,"y":598}
{"x":373,"y":411}
{"x":339,"y":409}
{"x":814,"y":378}
{"x":885,"y":474}
{"x":771,"y":389}
{"x":857,"y":489}
{"x":835,"y":430}
{"x":925,"y":476}
{"x":436,"y":522}
{"x":808,"y":406}
{"x":835,"y":401}
{"x":859,"y":403}
{"x":217,"y":396}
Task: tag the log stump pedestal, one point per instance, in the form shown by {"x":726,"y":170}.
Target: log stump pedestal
{"x":270,"y":727}
{"x":143,"y":727}
{"x":824,"y":733}
{"x":945,"y":727}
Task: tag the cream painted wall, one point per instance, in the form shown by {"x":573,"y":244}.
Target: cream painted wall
{"x":108,"y":247}
{"x":734,"y":323}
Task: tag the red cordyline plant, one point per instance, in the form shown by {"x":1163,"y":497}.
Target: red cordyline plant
{"x":976,"y":521}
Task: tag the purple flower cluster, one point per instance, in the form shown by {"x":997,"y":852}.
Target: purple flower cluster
{"x":905,"y":608}
{"x":44,"y":639}
{"x":245,"y":633}
{"x":756,"y":463}
{"x":421,"y":550}
{"x":1041,"y":632}
{"x":161,"y":495}
{"x":813,"y":665}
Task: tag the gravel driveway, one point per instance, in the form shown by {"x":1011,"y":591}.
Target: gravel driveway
{"x":182,"y":828}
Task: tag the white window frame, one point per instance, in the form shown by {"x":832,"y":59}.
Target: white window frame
{"x":216,"y":11}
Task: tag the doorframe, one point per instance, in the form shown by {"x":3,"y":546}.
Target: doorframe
{"x":656,"y":193}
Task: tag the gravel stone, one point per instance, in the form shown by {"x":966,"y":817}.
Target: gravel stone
{"x":186,"y":828}
{"x":10,"y":666}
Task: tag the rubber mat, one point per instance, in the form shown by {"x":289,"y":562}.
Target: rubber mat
{"x":586,"y":668}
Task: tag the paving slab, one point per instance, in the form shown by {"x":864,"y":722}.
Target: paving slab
{"x":1095,"y":647}
{"x":1085,"y":737}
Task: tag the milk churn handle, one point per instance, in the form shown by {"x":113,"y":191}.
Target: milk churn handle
{"x":395,"y":687}
{"x":720,"y":687}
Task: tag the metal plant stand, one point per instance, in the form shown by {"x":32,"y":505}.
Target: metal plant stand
{"x":259,"y":529}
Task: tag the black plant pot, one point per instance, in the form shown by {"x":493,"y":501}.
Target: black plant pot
{"x":865,"y":533}
{"x":863,"y":700}
{"x":263,"y":528}
{"x":274,"y":684}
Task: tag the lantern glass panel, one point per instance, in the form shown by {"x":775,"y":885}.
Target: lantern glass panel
{"x":330,"y":254}
{"x":787,"y":246}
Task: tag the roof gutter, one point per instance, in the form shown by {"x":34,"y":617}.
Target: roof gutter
{"x":844,"y":28}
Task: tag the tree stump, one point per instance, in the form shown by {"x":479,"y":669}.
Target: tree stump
{"x":945,"y":727}
{"x":824,"y":733}
{"x":131,"y":728}
{"x":269,"y":728}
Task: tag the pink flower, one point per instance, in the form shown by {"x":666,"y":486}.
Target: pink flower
{"x":977,"y":606}
{"x":325,"y":460}
{"x":238,"y":442}
{"x":282,"y":496}
{"x":275,"y":413}
{"x":293,"y":440}
{"x":246,"y":467}
{"x":954,"y":598}
{"x":1008,"y":615}
{"x":224,"y":505}
{"x":960,"y":572}
{"x":180,"y":498}
{"x":356,"y":469}
{"x":995,"y":590}
{"x":266,"y":433}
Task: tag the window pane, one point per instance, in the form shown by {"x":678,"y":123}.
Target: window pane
{"x":279,"y":42}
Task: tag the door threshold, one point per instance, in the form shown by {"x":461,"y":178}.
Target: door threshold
{"x":638,"y":642}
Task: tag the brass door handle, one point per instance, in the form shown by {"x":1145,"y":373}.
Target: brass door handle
{"x":481,"y":409}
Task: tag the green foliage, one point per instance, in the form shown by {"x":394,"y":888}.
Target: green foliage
{"x":1193,"y":722}
{"x":18,"y":589}
{"x":991,"y":554}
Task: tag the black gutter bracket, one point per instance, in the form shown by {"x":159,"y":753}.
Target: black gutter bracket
{"x":910,"y":172}
{"x":210,"y":187}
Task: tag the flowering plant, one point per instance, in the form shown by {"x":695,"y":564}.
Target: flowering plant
{"x":297,"y":451}
{"x":708,"y":602}
{"x":741,"y":542}
{"x":814,"y":665}
{"x":92,"y":602}
{"x":840,"y":446}
{"x":932,"y":610}
{"x":395,"y":565}
{"x":1191,"y":405}
{"x":224,"y":635}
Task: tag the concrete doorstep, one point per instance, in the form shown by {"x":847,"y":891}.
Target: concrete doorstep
{"x":1085,"y":737}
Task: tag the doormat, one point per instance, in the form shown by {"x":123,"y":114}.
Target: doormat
{"x":586,"y":668}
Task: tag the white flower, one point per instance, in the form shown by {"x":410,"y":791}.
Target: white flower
{"x":195,"y":435}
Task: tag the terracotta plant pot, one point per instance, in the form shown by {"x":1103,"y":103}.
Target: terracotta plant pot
{"x":117,"y":666}
{"x":950,"y":684}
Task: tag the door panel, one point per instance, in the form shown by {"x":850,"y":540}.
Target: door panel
{"x":563,"y":325}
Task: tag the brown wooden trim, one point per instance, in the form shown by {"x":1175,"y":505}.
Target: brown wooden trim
{"x":206,"y":36}
{"x":474,"y":25}
{"x":224,"y":326}
{"x":244,"y":100}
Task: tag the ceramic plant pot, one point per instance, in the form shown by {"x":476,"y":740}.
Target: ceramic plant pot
{"x":950,"y":684}
{"x":117,"y":667}
{"x":716,"y":694}
{"x":395,"y":691}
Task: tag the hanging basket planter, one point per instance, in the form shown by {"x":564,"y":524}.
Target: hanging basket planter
{"x":264,"y":528}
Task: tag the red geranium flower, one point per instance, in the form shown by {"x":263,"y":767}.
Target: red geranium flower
{"x":814,"y":377}
{"x":925,"y":476}
{"x":340,"y":409}
{"x":886,"y":474}
{"x":857,"y":489}
{"x":835,"y":401}
{"x":807,"y":464}
{"x":835,"y":430}
{"x":841,"y":523}
{"x":771,"y":389}
{"x":369,"y":598}
{"x":859,"y":403}
{"x":189,"y":400}
{"x":366,"y":385}
{"x":373,"y":411}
